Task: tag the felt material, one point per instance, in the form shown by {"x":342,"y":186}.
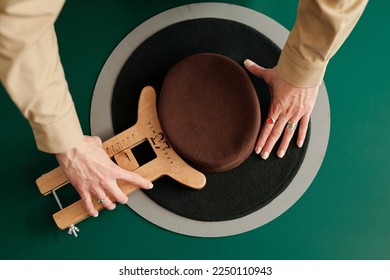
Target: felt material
{"x":230,"y":194}
{"x":209,"y":112}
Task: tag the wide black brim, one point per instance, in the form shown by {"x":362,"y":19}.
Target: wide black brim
{"x":227,"y":195}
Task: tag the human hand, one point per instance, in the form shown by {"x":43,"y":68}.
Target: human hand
{"x":94,"y":174}
{"x":289,"y":105}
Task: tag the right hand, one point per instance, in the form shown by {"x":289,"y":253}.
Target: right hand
{"x":94,"y":174}
{"x":289,"y":104}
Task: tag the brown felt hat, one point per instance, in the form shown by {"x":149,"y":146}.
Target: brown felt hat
{"x":209,"y":111}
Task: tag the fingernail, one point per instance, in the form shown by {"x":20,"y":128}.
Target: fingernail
{"x":258,"y":150}
{"x":248,"y":63}
{"x":151,"y":186}
{"x":265,"y":155}
{"x":300,"y":143}
{"x":281,"y":153}
{"x":111,"y":207}
{"x":96,"y":215}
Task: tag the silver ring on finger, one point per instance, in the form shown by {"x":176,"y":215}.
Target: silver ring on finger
{"x":291,"y":125}
{"x":101,"y":200}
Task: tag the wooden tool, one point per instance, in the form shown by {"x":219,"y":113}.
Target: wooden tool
{"x":147,"y":128}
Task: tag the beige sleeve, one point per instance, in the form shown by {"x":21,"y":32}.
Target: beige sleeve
{"x":32,"y":73}
{"x":320,"y":29}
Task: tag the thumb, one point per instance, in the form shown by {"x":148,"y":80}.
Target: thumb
{"x":255,"y":69}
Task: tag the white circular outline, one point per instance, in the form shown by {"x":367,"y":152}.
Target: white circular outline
{"x":101,"y":121}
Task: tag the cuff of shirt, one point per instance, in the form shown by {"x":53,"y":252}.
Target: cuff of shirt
{"x":300,"y":72}
{"x":60,"y":136}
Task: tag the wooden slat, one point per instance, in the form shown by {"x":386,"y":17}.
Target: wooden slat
{"x":51,"y":180}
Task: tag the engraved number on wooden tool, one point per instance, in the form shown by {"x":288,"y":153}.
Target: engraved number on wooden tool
{"x":159,"y":142}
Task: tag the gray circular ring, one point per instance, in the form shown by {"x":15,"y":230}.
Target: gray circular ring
{"x":101,"y":121}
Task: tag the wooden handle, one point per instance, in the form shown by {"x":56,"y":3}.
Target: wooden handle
{"x":51,"y":180}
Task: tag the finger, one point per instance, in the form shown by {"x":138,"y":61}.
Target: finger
{"x":103,"y":199}
{"x":117,"y":194}
{"x":264,"y":133}
{"x":88,"y":205}
{"x":254,"y":68}
{"x":287,"y":136}
{"x":134,"y":178}
{"x":303,"y":126}
{"x":273,"y":137}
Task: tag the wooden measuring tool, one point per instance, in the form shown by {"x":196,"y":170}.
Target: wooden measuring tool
{"x":167,"y":161}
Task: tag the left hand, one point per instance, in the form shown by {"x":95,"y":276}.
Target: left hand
{"x":289,"y":105}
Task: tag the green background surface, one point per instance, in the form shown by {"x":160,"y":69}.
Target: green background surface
{"x":343,"y":215}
